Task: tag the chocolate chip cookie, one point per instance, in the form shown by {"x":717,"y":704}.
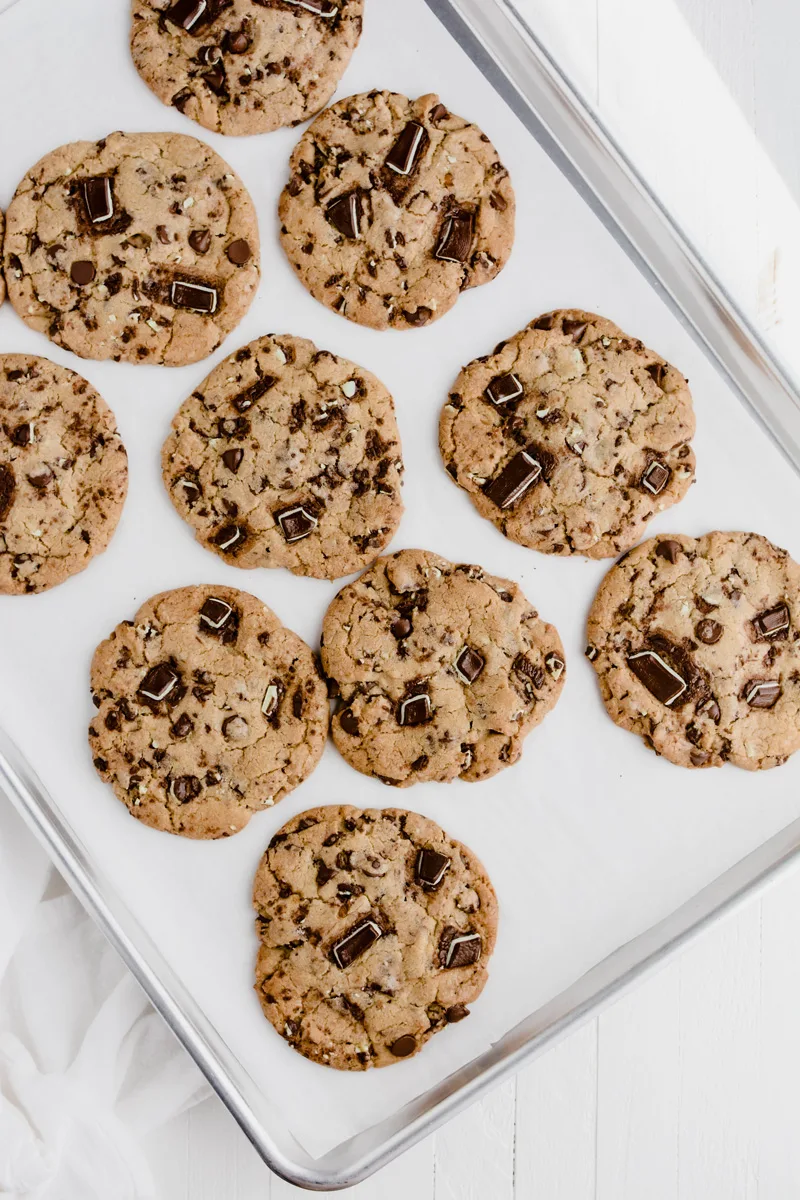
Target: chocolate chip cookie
{"x":209,"y":710}
{"x":442,"y":670}
{"x":63,"y":474}
{"x":244,"y":66}
{"x":376,"y":929}
{"x":393,"y":208}
{"x":570,"y":436}
{"x":142,"y":248}
{"x":696,"y":644}
{"x":288,"y":456}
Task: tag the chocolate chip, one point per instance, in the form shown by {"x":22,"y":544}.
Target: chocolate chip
{"x":7,"y":489}
{"x":40,"y":478}
{"x":762,"y":693}
{"x":656,"y":477}
{"x":574,"y":329}
{"x":98,"y":199}
{"x":430,"y":869}
{"x":670,"y":549}
{"x":163,"y":234}
{"x":699,"y":758}
{"x":459,"y":949}
{"x":215,"y":613}
{"x":708,"y":631}
{"x":355,"y":943}
{"x":344,"y":214}
{"x":704,"y":606}
{"x":235,"y":728}
{"x":415,"y":710}
{"x":469,"y":664}
{"x":420,"y":316}
{"x":239,"y":252}
{"x":404,"y":153}
{"x":504,"y":388}
{"x":215,"y":79}
{"x":401,"y":628}
{"x":237,"y":43}
{"x":403,"y":1046}
{"x":438,"y":113}
{"x":158,"y":682}
{"x":710,"y":708}
{"x":349,"y":722}
{"x":516,"y":477}
{"x":183,"y":726}
{"x":200,"y":240}
{"x":455,"y":240}
{"x":24,"y":435}
{"x":82,"y":272}
{"x":209,"y":55}
{"x":191,"y":490}
{"x":324,"y":873}
{"x":657,"y":676}
{"x":555,"y":665}
{"x":186,"y":788}
{"x":196,"y":297}
{"x":591,"y":652}
{"x":233,"y":459}
{"x":772,"y":623}
{"x":230,"y":538}
{"x":188,"y":14}
{"x":455,"y":1013}
{"x":296,"y":523}
{"x":657,"y":371}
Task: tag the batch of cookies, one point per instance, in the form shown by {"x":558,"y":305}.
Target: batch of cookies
{"x":375,"y":926}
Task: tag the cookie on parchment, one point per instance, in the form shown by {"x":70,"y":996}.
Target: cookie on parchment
{"x":288,"y":456}
{"x":696,"y":644}
{"x":570,"y":436}
{"x":442,"y":670}
{"x":376,"y":929}
{"x":63,"y":474}
{"x":209,"y":711}
{"x":142,"y":248}
{"x":239,"y":67}
{"x":393,"y":208}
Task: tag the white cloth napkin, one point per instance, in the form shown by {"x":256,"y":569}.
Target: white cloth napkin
{"x":87,"y":1068}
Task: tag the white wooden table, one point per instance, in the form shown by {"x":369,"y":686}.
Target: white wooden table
{"x":689,"y":1088}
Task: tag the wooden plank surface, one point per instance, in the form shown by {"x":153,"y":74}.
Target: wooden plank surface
{"x":688,"y":1088}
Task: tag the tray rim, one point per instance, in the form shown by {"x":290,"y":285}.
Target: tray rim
{"x":522,"y":71}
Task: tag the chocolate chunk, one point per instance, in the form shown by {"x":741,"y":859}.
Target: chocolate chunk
{"x":699,"y":758}
{"x":82,"y":272}
{"x":239,"y":252}
{"x":41,"y":477}
{"x":704,"y":606}
{"x":320,"y":8}
{"x":98,"y":198}
{"x":420,"y":316}
{"x":710,"y":708}
{"x":233,"y":459}
{"x":430,"y":869}
{"x":455,"y":1013}
{"x":415,"y":710}
{"x":459,"y":949}
{"x":656,"y":477}
{"x":657,"y":371}
{"x":657,"y":676}
{"x":188,"y":13}
{"x":215,"y":613}
{"x":237,"y":43}
{"x":235,"y":728}
{"x":762,"y":693}
{"x":455,"y":240}
{"x":215,"y":79}
{"x":356,"y":942}
{"x":249,"y":396}
{"x":591,"y":652}
{"x":670,"y":549}
{"x":555,"y":665}
{"x":272,"y":699}
{"x":524,"y":666}
{"x":186,"y":788}
{"x":230,"y":537}
{"x":574,"y":329}
{"x":708,"y":631}
{"x":210,"y":55}
{"x":296,"y":523}
{"x":7,"y":489}
{"x":191,"y":490}
{"x":469,"y":664}
{"x":404,"y":153}
{"x":438,"y":113}
{"x":196,"y":297}
{"x":163,"y":234}
{"x":516,"y":477}
{"x":344,"y":214}
{"x":183,"y":726}
{"x":403,"y":1046}
{"x":159,"y":682}
{"x":772,"y":623}
{"x":504,"y":388}
{"x":24,"y":435}
{"x":200,"y":240}
{"x":401,"y":628}
{"x":349,"y":722}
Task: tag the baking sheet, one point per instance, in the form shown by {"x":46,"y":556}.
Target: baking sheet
{"x":590,"y":839}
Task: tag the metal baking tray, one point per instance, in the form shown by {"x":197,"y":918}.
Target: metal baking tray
{"x":724,"y":835}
